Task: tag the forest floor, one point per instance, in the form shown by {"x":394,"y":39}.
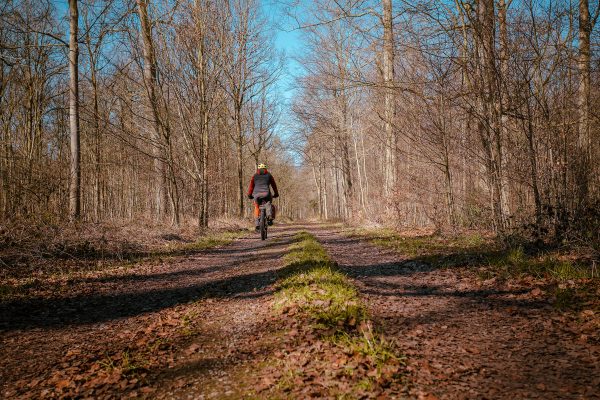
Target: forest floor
{"x":208,"y":322}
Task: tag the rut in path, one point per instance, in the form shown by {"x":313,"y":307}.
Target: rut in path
{"x":465,"y":340}
{"x":100,"y":314}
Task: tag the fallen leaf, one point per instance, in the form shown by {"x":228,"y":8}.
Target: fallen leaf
{"x":60,"y":385}
{"x":192,"y":349}
{"x":536,"y":292}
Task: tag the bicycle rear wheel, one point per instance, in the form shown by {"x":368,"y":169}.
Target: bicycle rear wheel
{"x":263,"y":224}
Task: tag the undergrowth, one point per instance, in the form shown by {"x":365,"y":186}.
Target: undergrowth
{"x":474,"y":249}
{"x":515,"y":262}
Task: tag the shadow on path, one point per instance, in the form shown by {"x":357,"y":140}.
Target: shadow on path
{"x":235,"y":270}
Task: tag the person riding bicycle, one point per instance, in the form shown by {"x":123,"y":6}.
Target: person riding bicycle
{"x":259,"y":190}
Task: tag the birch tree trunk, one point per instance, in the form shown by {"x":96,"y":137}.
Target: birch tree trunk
{"x":75,"y":189}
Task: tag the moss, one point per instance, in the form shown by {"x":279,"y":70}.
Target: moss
{"x":312,"y":284}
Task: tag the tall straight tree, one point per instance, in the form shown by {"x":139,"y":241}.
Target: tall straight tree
{"x":75,"y":189}
{"x":584,"y":143}
{"x":150,"y":80}
{"x":388,"y":79}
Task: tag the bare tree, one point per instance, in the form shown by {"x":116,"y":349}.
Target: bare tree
{"x":150,"y":81}
{"x":75,"y":188}
{"x":389,"y":106}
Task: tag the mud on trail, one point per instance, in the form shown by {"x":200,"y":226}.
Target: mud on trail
{"x":202,"y":326}
{"x":467,"y":338}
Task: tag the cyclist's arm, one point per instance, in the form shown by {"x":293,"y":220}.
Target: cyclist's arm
{"x":274,"y":186}
{"x":251,"y":188}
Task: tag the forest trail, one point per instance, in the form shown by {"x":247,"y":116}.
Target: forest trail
{"x":140,"y":331}
{"x":200,"y":326}
{"x":468,"y":338}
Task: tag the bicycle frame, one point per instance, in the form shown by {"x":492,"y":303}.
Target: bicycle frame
{"x":265,"y":212}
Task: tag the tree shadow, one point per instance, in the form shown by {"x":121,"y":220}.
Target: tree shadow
{"x":93,"y":308}
{"x":136,"y":294}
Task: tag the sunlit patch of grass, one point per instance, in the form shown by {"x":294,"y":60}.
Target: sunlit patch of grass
{"x":325,"y":296}
{"x":208,"y":242}
{"x":382,"y":356}
{"x":476,"y":250}
{"x":516,"y":263}
{"x":442,"y":251}
{"x":375,"y":348}
{"x":316,"y":288}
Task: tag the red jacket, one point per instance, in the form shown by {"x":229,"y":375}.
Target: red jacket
{"x":261,"y":182}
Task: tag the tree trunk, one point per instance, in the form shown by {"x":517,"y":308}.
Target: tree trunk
{"x":583,"y":100}
{"x":240,"y":161}
{"x":533,"y":167}
{"x":389,"y":104}
{"x":490,"y":107}
{"x":150,"y":80}
{"x":75,"y":189}
{"x":97,"y":147}
{"x":204,"y":118}
{"x":504,"y":103}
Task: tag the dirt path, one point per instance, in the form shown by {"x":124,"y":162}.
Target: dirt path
{"x":200,"y":327}
{"x":182,"y":327}
{"x":464,"y":339}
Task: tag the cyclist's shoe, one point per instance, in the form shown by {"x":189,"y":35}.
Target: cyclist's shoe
{"x":270,"y":222}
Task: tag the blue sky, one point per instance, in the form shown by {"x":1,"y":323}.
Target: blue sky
{"x":288,"y":41}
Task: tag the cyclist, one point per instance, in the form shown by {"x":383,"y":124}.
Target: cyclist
{"x":260,"y":191}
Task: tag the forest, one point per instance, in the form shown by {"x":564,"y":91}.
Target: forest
{"x":427,"y":113}
{"x":430,"y":155}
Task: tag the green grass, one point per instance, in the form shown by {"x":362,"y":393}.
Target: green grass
{"x":421,"y":245}
{"x":374,"y":347}
{"x":313,"y":285}
{"x":516,"y":263}
{"x":475,"y":250}
{"x":207,"y":242}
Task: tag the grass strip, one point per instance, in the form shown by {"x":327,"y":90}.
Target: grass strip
{"x":314,"y":291}
{"x":208,"y":242}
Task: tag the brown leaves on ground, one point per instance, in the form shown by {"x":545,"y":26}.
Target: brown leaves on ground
{"x":469,"y":335}
{"x":92,"y":370}
{"x":308,"y":363}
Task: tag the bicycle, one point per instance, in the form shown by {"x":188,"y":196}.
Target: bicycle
{"x":266,"y":210}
